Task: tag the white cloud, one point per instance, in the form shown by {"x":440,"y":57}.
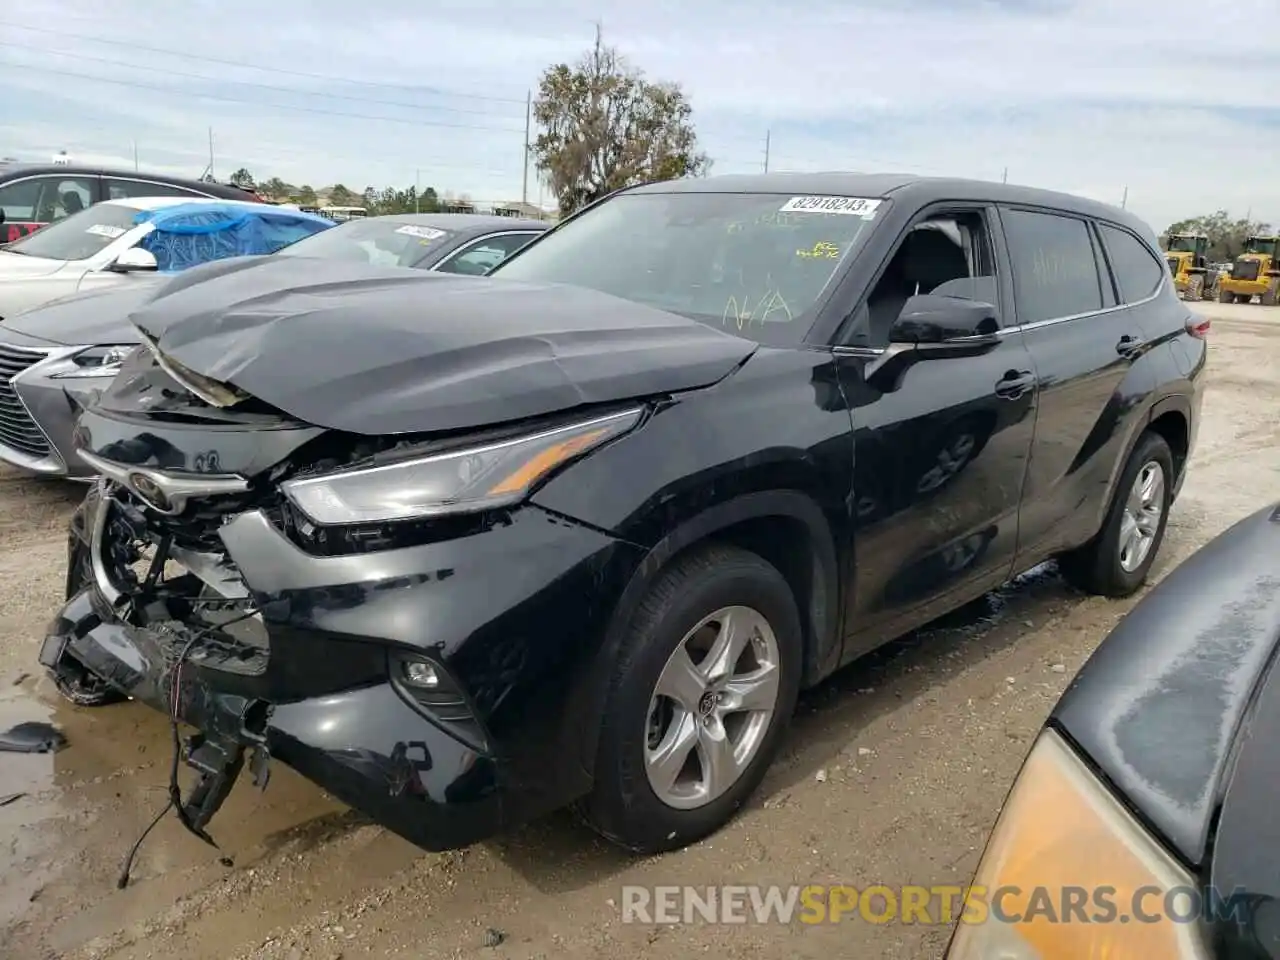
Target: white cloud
{"x":1086,"y":96}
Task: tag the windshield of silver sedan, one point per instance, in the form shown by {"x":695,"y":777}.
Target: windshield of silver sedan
{"x":755,"y":265}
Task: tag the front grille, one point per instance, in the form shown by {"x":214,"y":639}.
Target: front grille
{"x":1245,"y":270}
{"x":17,"y":429}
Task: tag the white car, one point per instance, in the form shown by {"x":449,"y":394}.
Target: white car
{"x":87,"y":250}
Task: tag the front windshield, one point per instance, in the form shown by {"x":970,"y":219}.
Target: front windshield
{"x":383,"y":242}
{"x":1260,"y":245}
{"x":1182,"y":245}
{"x":79,"y":236}
{"x":754,"y":265}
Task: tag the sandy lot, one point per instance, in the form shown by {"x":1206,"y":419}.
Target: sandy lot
{"x":894,"y":774}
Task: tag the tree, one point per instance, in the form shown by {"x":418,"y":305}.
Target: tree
{"x":603,"y":126}
{"x":1226,"y":236}
{"x":276,"y":189}
{"x":306,"y":196}
{"x":340,"y":196}
{"x":243,"y":178}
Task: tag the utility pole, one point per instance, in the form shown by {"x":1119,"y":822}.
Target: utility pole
{"x":135,"y":156}
{"x":1004,"y":177}
{"x":528,"y":120}
{"x":417,"y":191}
{"x":1124,"y":200}
{"x":211,"y":176}
{"x":767,"y":135}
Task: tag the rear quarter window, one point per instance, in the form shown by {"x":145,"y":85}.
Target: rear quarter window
{"x":1137,"y":271}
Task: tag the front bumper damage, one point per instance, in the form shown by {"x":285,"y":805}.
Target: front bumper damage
{"x":340,"y":719}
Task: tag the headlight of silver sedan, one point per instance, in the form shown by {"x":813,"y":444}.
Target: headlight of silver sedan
{"x":101,"y":361}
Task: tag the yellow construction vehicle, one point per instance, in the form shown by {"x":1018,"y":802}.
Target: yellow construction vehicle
{"x":1188,"y":259}
{"x":1255,"y":273}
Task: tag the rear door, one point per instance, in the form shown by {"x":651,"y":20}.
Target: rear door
{"x":1084,"y":343}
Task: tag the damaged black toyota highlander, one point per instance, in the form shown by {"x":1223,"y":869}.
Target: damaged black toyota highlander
{"x":463,"y":551}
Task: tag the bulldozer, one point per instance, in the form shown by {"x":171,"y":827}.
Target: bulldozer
{"x":1256,"y":272}
{"x":1188,"y":259}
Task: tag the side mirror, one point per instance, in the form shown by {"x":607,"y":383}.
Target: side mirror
{"x":134,"y":260}
{"x":935,"y":326}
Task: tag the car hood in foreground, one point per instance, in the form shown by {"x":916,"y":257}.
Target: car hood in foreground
{"x":94,"y":317}
{"x":1177,"y":688}
{"x":18,"y":266}
{"x":382,"y":350}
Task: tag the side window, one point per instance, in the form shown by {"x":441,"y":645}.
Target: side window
{"x":128,"y":189}
{"x":1055,"y":273}
{"x":18,"y":200}
{"x":1136,"y":268}
{"x":483,"y":255}
{"x":934,"y":253}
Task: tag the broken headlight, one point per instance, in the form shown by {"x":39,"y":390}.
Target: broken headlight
{"x":94,"y":362}
{"x":466,"y":480}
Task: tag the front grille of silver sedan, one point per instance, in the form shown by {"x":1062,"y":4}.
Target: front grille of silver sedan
{"x":17,"y":430}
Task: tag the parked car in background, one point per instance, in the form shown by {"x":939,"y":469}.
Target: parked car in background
{"x":101,"y":246}
{"x":579,"y":532}
{"x":118,"y":251}
{"x":32,"y":194}
{"x":95,"y":327}
{"x":449,"y":242}
{"x":1152,"y":788}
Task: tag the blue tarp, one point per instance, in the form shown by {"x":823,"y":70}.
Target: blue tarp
{"x":187,"y":234}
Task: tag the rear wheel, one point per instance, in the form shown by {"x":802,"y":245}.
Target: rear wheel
{"x":1117,"y":561}
{"x":1269,"y":298}
{"x":1195,"y":287}
{"x":700,"y":696}
{"x":1225,"y":296}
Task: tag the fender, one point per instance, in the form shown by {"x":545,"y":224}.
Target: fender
{"x":821,"y":619}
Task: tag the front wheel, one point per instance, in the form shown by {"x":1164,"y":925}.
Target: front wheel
{"x":1117,"y":561}
{"x":705,"y":683}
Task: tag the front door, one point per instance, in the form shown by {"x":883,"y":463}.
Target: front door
{"x":939,"y":461}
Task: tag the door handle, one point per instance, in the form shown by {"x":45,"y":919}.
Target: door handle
{"x":1129,"y":347}
{"x":1015,"y":384}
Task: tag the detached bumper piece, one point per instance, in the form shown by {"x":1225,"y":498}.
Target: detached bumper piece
{"x":409,"y":757}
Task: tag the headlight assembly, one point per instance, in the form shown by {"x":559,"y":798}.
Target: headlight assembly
{"x":1064,"y":841}
{"x":94,"y":362}
{"x":458,"y":481}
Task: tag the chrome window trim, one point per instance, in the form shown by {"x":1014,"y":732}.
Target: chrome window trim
{"x":478,"y":240}
{"x":106,"y":178}
{"x":1034,"y":325}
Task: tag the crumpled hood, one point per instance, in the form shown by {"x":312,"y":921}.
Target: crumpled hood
{"x":94,"y":317}
{"x":383,"y":350}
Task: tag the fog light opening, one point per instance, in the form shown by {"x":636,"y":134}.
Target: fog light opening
{"x":421,"y":675}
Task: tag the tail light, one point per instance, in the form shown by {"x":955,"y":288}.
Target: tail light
{"x":1198,"y":327}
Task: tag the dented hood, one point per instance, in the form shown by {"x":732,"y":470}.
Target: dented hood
{"x":379,"y":350}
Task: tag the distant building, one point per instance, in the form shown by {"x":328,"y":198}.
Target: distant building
{"x":518,"y":208}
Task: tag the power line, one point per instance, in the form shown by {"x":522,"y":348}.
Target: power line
{"x":241,"y":83}
{"x":330,"y":78}
{"x":258,"y":103}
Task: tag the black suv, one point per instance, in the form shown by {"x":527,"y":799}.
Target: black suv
{"x":33,"y":195}
{"x":579,"y":532}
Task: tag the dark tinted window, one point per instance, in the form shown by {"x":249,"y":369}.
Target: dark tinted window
{"x":1054,"y":270}
{"x":483,"y":255}
{"x":1135,"y":267}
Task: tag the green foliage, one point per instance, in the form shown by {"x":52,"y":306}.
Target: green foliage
{"x":603,"y":126}
{"x":1226,"y":236}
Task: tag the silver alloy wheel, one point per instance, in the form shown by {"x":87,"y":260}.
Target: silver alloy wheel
{"x":712,"y":707}
{"x":1142,"y":512}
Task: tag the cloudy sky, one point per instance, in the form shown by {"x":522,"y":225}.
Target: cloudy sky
{"x":1088,"y":96}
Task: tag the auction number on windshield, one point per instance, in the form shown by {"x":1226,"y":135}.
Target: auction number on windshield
{"x":849,"y":206}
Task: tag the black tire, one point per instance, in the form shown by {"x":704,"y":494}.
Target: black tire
{"x":622,"y":806}
{"x":1095,"y":567}
{"x":1226,"y":297}
{"x":1195,"y":287}
{"x":1269,"y":298}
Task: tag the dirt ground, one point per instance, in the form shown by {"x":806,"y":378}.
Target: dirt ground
{"x":894,"y":773}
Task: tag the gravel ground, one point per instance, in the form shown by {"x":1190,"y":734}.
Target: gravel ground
{"x":894,"y":774}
